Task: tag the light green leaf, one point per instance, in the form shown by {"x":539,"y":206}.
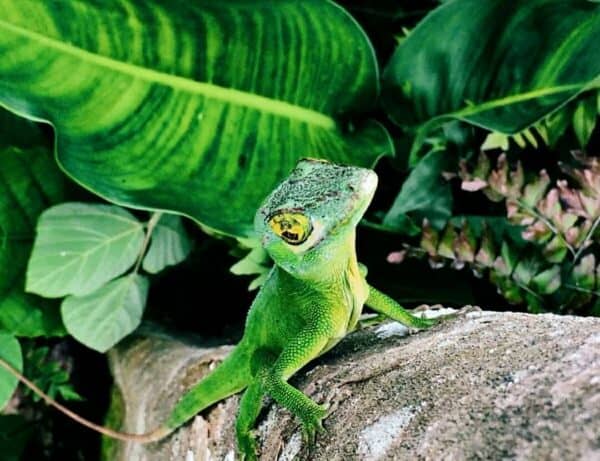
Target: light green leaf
{"x":424,"y":191}
{"x":10,"y":350}
{"x":257,"y":282}
{"x":503,"y":68}
{"x":196,"y":107}
{"x":584,"y":120}
{"x":79,"y":247}
{"x":556,"y":123}
{"x":547,"y":281}
{"x":495,"y":140}
{"x":102,"y":318}
{"x":29,"y":182}
{"x":523,"y":139}
{"x":170,"y":244}
{"x":256,"y":262}
{"x":525,"y":270}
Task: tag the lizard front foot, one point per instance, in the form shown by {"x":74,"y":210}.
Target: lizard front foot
{"x":312,"y":423}
{"x":247,"y":447}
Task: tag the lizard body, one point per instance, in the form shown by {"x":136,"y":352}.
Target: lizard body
{"x":312,"y":298}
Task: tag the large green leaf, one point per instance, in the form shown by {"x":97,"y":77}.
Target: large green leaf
{"x":497,"y":65}
{"x":198,"y":107}
{"x":29,"y":182}
{"x":79,"y":247}
{"x":102,"y":318}
{"x":10,"y":350}
{"x":424,"y":191}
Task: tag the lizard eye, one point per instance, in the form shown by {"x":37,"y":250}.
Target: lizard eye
{"x":292,"y":227}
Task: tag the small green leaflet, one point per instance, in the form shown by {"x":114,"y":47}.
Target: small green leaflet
{"x":548,"y":281}
{"x":10,"y":350}
{"x":48,"y":373}
{"x":169,"y":246}
{"x":584,"y":120}
{"x":80,"y":247}
{"x":102,"y":318}
{"x":256,"y":262}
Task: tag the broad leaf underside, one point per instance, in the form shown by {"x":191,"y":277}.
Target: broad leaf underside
{"x":197,"y":107}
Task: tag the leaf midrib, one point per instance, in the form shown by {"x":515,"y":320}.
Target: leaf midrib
{"x":491,"y":104}
{"x":83,"y":256}
{"x":209,"y":90}
{"x":517,"y":98}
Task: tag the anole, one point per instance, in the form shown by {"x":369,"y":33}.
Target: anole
{"x":312,"y":298}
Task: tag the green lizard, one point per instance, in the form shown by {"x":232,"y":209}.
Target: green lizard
{"x":313,"y":297}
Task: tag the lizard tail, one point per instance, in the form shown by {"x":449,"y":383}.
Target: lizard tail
{"x":152,"y":436}
{"x":230,"y":377}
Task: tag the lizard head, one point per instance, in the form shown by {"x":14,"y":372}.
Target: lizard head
{"x":307,"y":221}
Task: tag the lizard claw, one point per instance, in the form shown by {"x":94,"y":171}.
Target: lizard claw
{"x":313,"y":425}
{"x":422,"y":323}
{"x":247,"y":447}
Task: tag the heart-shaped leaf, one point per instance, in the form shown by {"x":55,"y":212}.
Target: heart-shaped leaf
{"x":10,"y":350}
{"x":497,"y":66}
{"x":170,"y":244}
{"x":79,"y":247}
{"x":198,"y":107}
{"x":102,"y":318}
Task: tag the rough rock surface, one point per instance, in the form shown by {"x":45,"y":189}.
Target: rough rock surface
{"x":485,"y":385}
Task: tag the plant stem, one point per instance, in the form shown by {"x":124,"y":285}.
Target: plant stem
{"x":588,"y":235}
{"x":152,"y":222}
{"x":582,"y":290}
{"x":524,"y":287}
{"x":547,"y":222}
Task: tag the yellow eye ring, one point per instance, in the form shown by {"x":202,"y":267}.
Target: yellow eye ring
{"x":293,"y":227}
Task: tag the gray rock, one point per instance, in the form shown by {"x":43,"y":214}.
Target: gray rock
{"x":486,"y":385}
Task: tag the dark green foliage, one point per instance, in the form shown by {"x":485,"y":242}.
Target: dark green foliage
{"x":48,"y":374}
{"x":543,"y":254}
{"x":501,"y":68}
{"x":15,"y":431}
{"x":483,"y":105}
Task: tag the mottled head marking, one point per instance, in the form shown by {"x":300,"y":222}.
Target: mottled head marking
{"x":317,"y":202}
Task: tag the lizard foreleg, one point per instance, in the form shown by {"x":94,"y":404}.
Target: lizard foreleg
{"x":308,"y":344}
{"x":385,"y":305}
